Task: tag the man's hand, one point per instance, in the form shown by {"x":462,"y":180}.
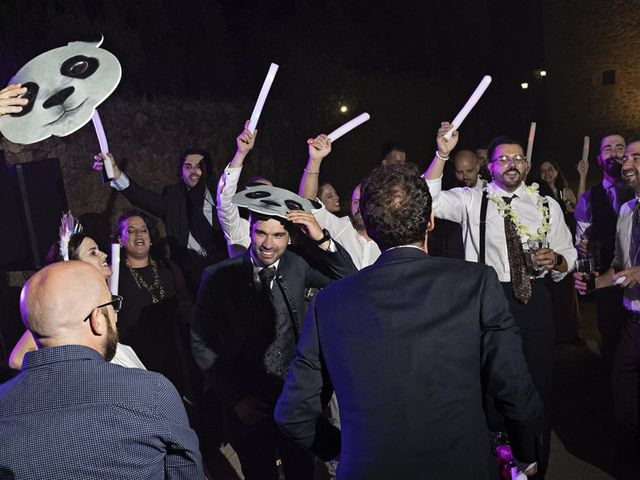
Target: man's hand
{"x":631,"y":277}
{"x":583,"y":168}
{"x":11,"y":100}
{"x":445,"y":147}
{"x":98,"y":164}
{"x":583,"y":246}
{"x":246,"y":139}
{"x":319,"y":147}
{"x":308,"y":224}
{"x":251,"y":410}
{"x":545,"y":258}
{"x":580,"y":283}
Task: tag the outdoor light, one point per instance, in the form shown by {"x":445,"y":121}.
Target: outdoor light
{"x":524,"y":85}
{"x":343,"y":109}
{"x":543,"y":73}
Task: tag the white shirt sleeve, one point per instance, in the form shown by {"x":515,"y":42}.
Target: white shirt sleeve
{"x":121,"y":183}
{"x":235,"y":228}
{"x":448,"y":204}
{"x":560,"y":240}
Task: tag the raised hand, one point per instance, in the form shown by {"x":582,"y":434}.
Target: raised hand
{"x":98,"y":164}
{"x":11,"y":100}
{"x":319,"y":147}
{"x":446,"y":146}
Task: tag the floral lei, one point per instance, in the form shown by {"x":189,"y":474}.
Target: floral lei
{"x":524,"y":232}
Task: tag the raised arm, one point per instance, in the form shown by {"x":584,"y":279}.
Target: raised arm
{"x":445,"y":147}
{"x":235,"y":228}
{"x":583,"y":170}
{"x":319,"y":148}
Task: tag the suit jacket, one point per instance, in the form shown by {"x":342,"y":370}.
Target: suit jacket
{"x":231,"y":320}
{"x":410,"y":344}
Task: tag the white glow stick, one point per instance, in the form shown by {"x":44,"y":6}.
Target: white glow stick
{"x":266,"y":86}
{"x":350,"y":125}
{"x":104,"y":146}
{"x":585,"y":149}
{"x":473,"y":99}
{"x":532,"y":136}
{"x":115,"y":268}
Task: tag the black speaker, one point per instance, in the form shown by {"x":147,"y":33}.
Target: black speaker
{"x":39,"y":195}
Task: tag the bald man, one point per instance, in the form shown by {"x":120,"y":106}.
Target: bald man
{"x":467,"y":168}
{"x":70,"y":413}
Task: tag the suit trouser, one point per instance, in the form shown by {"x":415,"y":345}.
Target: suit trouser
{"x":535,"y":319}
{"x":625,"y":381}
{"x":259,"y":446}
{"x":610,"y":314}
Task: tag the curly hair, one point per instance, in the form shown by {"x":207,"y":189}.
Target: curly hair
{"x":135,"y":212}
{"x":396,"y":206}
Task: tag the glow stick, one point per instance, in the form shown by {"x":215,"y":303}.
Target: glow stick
{"x":347,"y":127}
{"x":104,"y":146}
{"x":115,"y":268}
{"x":475,"y":96}
{"x":532,"y":136}
{"x":266,"y":86}
{"x":585,"y":149}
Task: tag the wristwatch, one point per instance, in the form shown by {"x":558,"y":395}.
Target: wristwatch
{"x":325,"y":237}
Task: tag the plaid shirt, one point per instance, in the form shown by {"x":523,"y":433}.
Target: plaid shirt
{"x":71,"y":415}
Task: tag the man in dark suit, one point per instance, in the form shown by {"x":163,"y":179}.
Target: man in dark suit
{"x":187,"y":208}
{"x":247,"y":319}
{"x":410,"y":345}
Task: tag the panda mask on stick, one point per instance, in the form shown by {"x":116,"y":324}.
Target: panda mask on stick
{"x":64,"y":87}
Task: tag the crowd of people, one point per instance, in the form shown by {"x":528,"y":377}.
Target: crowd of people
{"x":216,"y":340}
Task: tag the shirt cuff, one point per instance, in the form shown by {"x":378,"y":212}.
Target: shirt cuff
{"x":121,"y":183}
{"x":435,"y":186}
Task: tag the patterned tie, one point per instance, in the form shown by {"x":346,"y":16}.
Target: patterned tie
{"x":520,"y":281}
{"x":634,"y":245}
{"x":266,"y":275}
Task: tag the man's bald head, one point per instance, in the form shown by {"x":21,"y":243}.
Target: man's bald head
{"x":56,"y":300}
{"x":467,"y":168}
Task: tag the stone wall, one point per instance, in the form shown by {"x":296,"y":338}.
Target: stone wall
{"x":583,"y":39}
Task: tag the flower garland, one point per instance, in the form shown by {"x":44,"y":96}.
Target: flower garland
{"x":523,"y":231}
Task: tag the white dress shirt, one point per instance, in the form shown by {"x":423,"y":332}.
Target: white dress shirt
{"x":363,"y":252}
{"x":462,"y":205}
{"x":123,"y":182}
{"x":622,"y":260}
{"x":236,"y":229}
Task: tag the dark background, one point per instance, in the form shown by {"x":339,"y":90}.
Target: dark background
{"x":409,"y":64}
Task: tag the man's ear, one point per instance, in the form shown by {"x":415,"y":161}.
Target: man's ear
{"x":432,"y":222}
{"x":98,"y":322}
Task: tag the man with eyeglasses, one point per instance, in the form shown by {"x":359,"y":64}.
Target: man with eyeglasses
{"x":71,"y":414}
{"x":523,"y":236}
{"x":596,"y":214}
{"x":623,"y":274}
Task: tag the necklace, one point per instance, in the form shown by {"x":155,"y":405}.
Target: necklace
{"x":142,"y":285}
{"x":523,"y":231}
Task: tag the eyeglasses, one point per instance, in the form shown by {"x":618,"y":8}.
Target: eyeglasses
{"x":516,"y":159}
{"x":116,"y":302}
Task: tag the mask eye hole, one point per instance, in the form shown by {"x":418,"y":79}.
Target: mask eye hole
{"x":79,"y":67}
{"x":293,"y":205}
{"x":258,"y":194}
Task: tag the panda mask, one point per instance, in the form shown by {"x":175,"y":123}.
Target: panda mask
{"x":64,"y":86}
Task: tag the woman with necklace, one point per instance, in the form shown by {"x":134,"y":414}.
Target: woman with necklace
{"x":153,"y":319}
{"x":74,"y":244}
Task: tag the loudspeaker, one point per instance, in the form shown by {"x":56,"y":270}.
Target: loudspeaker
{"x":38,"y":191}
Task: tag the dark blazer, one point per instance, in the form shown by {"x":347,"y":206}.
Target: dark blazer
{"x":231,"y":321}
{"x":410,"y":344}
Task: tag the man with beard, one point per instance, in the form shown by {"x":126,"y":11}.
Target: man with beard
{"x":187,"y":208}
{"x":498,"y":220}
{"x":348,"y":231}
{"x":245,"y":325}
{"x":596,"y":213}
{"x":70,"y":413}
{"x":625,"y":272}
{"x":467,"y":168}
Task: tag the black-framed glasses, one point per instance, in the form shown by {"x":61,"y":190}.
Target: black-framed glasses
{"x":116,"y":303}
{"x":516,"y":160}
